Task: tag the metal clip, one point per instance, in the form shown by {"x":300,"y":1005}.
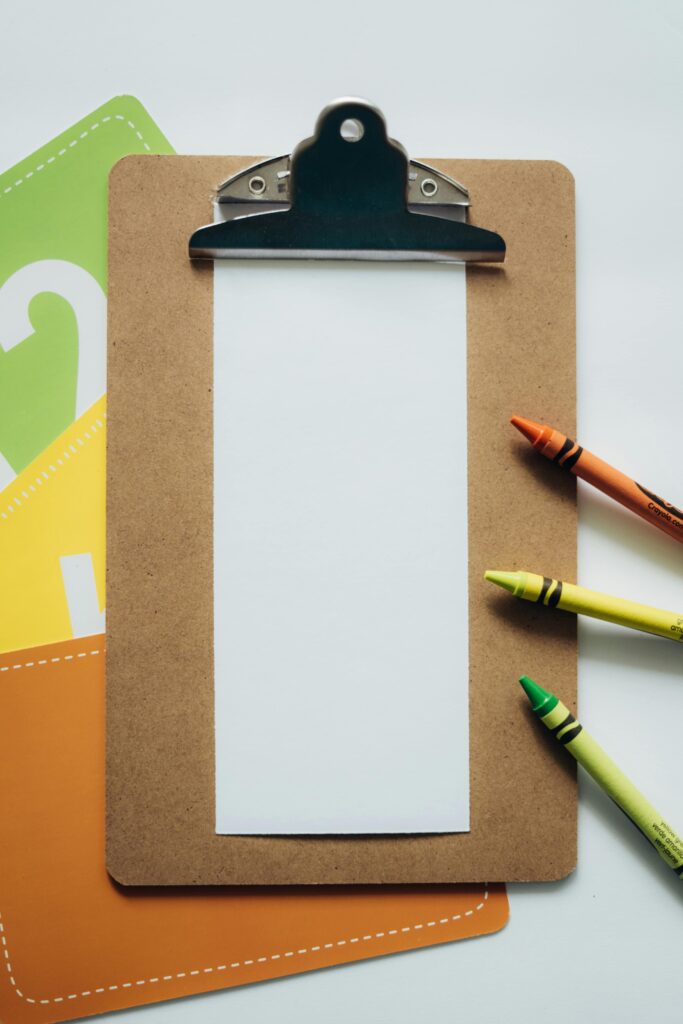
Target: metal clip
{"x":349,"y":192}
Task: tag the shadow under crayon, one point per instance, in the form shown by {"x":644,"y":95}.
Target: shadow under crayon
{"x":558,"y":482}
{"x":551,"y":624}
{"x":622,"y":529}
{"x":634,"y":844}
{"x":596,"y":804}
{"x":628,"y":649}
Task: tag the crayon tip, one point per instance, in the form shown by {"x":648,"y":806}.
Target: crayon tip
{"x":541,"y":701}
{"x":531,"y":430}
{"x":507,"y":580}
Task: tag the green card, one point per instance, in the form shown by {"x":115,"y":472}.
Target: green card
{"x":53,"y":277}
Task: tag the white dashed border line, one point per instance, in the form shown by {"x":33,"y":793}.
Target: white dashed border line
{"x":305,"y":951}
{"x":48,"y":470}
{"x":86,"y":134}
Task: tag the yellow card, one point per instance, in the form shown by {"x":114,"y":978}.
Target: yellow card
{"x":52,"y":540}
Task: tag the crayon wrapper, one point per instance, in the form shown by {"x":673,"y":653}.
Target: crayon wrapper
{"x":617,"y":785}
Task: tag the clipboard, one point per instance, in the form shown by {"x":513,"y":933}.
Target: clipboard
{"x":160,"y":743}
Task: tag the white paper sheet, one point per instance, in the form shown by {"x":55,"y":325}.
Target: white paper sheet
{"x":340,"y":548}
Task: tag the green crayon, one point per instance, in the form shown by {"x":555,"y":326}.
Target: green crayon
{"x":564,"y":727}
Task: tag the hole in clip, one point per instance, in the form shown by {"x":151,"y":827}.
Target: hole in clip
{"x":351,"y":130}
{"x":257,"y":185}
{"x":429,"y":187}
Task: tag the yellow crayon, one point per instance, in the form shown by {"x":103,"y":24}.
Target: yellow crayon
{"x":572,"y":598}
{"x":590,"y":755}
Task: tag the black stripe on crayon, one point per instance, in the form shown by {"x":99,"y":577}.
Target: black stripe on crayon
{"x":571,"y":734}
{"x":547,"y":583}
{"x":554,"y":598}
{"x":679,"y":871}
{"x":573,"y":459}
{"x":564,"y":450}
{"x":567,"y":720}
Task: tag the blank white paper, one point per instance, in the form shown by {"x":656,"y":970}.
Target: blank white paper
{"x":340,"y":548}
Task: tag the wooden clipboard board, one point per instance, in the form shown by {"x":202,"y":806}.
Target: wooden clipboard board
{"x":160,"y":739}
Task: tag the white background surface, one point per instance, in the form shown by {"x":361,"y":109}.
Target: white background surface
{"x":597,"y":86}
{"x":340,"y":547}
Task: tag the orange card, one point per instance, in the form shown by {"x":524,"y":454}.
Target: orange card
{"x":74,"y":943}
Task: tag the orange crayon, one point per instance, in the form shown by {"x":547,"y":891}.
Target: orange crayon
{"x":569,"y":455}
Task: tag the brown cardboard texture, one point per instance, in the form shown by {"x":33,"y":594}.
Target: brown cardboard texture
{"x":522,"y":514}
